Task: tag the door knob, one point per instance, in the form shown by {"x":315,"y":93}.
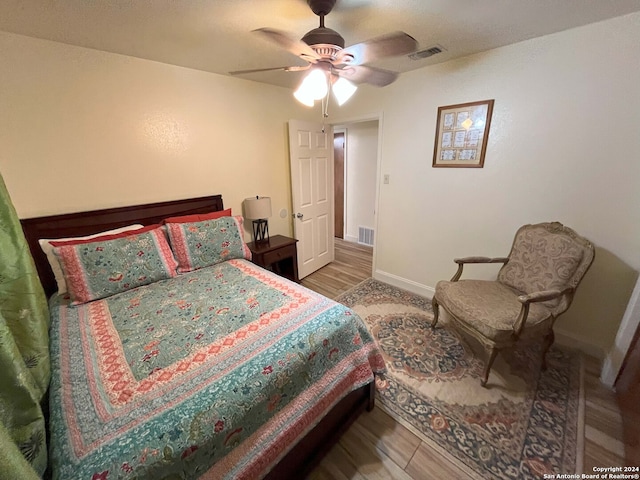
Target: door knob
{"x":299,"y":215}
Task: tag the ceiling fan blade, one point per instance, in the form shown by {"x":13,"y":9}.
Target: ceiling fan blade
{"x":389,"y":45}
{"x":288,"y":42}
{"x":363,"y":74}
{"x":285,"y":69}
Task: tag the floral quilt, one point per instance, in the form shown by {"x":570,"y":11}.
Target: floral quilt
{"x":215,"y":373}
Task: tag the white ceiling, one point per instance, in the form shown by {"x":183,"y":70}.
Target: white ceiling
{"x":214,"y":35}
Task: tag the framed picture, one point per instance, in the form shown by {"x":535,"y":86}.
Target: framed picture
{"x":462,"y":132}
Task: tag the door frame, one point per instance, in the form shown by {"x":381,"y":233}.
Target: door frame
{"x":628,"y":326}
{"x":342,"y":130}
{"x":344,"y":123}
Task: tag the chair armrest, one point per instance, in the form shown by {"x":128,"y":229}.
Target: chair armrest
{"x":543,"y":295}
{"x":462,"y":261}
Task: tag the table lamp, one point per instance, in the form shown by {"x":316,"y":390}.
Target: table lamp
{"x":258,"y":209}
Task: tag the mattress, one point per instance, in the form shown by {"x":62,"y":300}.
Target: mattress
{"x":216,"y":373}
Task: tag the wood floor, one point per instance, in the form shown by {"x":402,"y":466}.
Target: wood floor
{"x":377,"y":447}
{"x":352,"y":265}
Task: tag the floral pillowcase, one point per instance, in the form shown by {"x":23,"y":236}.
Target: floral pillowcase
{"x":104,"y":266}
{"x":201,"y":244}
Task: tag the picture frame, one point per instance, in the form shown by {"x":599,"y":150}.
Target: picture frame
{"x":462,"y":132}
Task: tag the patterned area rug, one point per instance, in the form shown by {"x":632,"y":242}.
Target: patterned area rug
{"x":525,"y":424}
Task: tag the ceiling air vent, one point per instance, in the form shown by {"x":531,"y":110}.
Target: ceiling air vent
{"x":428,"y":52}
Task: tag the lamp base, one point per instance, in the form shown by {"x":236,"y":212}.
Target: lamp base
{"x":260,"y":230}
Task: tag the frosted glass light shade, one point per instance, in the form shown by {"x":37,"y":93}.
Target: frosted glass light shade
{"x":317,"y":84}
{"x":303,"y":97}
{"x":257,"y":207}
{"x":343,"y":89}
{"x":313,"y":87}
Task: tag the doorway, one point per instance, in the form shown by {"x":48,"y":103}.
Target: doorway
{"x":356,"y":152}
{"x":357,"y":192}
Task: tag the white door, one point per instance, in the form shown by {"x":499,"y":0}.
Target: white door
{"x":311,"y":157}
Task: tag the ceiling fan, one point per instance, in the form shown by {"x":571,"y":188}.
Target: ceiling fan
{"x":332,"y":64}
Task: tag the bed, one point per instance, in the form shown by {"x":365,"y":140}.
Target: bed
{"x":225,"y":371}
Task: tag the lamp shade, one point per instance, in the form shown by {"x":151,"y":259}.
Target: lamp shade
{"x":343,"y":89}
{"x":314,"y":86}
{"x":257,"y":207}
{"x":304,"y":97}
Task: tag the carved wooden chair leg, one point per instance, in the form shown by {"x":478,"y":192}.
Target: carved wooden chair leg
{"x":487,"y":369}
{"x":548,"y":341}
{"x":436,"y":312}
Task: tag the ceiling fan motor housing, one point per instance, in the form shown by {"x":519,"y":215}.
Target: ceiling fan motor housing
{"x":321,"y":7}
{"x":324,"y":41}
{"x":323,"y":36}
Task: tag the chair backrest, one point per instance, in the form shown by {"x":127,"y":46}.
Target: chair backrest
{"x":547,"y":256}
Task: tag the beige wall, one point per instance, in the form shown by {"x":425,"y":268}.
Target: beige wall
{"x":564,"y":145}
{"x":83,"y":129}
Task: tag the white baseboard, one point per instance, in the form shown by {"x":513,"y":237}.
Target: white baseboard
{"x":609,"y":372}
{"x":409,"y":285}
{"x":351,"y":238}
{"x":562,"y":338}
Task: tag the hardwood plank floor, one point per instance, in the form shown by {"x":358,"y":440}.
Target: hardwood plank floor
{"x":352,"y":265}
{"x":378,"y":447}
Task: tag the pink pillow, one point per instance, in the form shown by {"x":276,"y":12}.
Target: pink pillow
{"x":101,"y":238}
{"x":199,"y":217}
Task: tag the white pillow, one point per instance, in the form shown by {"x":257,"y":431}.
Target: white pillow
{"x":47,"y":248}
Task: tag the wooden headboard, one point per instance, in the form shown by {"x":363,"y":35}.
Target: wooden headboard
{"x":87,"y":223}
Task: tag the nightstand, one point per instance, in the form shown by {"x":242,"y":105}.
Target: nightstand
{"x":278,"y":254}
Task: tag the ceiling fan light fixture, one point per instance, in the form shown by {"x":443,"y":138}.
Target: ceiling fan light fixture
{"x":314,"y":86}
{"x":343,"y":89}
{"x":303,"y":97}
{"x":316,"y":83}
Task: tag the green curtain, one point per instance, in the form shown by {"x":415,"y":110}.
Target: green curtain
{"x":24,"y":352}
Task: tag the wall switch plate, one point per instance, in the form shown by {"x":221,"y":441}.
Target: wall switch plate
{"x":386,"y":179}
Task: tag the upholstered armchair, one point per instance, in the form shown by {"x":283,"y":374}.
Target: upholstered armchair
{"x":534,"y":286}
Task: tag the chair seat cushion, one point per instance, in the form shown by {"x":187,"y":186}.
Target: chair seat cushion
{"x":490,"y":308}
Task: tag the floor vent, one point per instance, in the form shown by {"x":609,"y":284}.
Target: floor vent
{"x":365,"y":236}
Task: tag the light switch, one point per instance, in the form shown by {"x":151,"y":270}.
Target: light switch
{"x":386,"y":179}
